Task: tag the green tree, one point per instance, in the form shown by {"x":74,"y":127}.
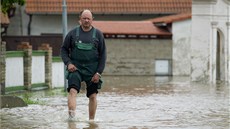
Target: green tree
{"x":6,"y":5}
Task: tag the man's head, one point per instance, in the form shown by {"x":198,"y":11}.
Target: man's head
{"x":86,"y":19}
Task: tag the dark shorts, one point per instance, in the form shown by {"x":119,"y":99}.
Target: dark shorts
{"x":75,"y":79}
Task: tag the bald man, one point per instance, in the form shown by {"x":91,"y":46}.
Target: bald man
{"x":84,"y":54}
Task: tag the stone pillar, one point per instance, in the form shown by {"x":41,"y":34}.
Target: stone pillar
{"x":48,"y":64}
{"x":228,"y":52}
{"x":27,"y":60}
{"x":213,"y":47}
{"x":2,"y":67}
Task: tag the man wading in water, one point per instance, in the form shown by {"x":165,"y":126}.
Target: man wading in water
{"x":84,"y":53}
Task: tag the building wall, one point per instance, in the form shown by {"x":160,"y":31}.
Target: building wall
{"x":126,"y":57}
{"x":209,"y":18}
{"x":135,"y":56}
{"x":181,"y":47}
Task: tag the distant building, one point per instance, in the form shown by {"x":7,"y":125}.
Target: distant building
{"x":180,"y":27}
{"x":45,"y":16}
{"x":126,"y":26}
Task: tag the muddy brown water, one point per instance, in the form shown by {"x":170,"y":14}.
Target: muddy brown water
{"x":129,"y":102}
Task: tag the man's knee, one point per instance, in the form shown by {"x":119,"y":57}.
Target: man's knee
{"x":73,"y":91}
{"x":93,"y":96}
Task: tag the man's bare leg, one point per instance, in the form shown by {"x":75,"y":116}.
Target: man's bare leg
{"x":72,"y":101}
{"x":92,"y":106}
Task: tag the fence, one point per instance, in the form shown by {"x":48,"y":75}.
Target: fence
{"x":26,"y":69}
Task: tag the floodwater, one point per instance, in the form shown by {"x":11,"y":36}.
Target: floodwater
{"x":129,"y":102}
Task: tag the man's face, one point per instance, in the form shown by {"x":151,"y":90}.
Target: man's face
{"x":86,"y":19}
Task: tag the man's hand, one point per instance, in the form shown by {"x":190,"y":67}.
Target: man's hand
{"x":95,"y":78}
{"x":72,"y":68}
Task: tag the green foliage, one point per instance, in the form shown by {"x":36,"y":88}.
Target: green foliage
{"x":56,"y":92}
{"x":27,"y":99}
{"x":7,"y":4}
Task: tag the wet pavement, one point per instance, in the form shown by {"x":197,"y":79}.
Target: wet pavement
{"x":129,"y":102}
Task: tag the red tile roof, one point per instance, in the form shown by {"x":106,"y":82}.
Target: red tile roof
{"x":171,"y":18}
{"x":4,"y":19}
{"x":109,"y":6}
{"x":129,"y":28}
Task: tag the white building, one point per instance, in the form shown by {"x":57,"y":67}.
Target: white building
{"x":180,"y":27}
{"x":210,"y":41}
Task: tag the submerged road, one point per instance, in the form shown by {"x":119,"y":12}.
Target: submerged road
{"x":129,"y":102}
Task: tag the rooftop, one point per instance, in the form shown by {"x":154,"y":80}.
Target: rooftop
{"x":171,"y":18}
{"x":110,"y":6}
{"x":146,"y":28}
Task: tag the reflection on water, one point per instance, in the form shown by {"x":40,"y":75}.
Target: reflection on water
{"x":136,"y":102}
{"x":89,"y":125}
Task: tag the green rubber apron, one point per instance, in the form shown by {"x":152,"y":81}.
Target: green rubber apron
{"x":84,"y":56}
